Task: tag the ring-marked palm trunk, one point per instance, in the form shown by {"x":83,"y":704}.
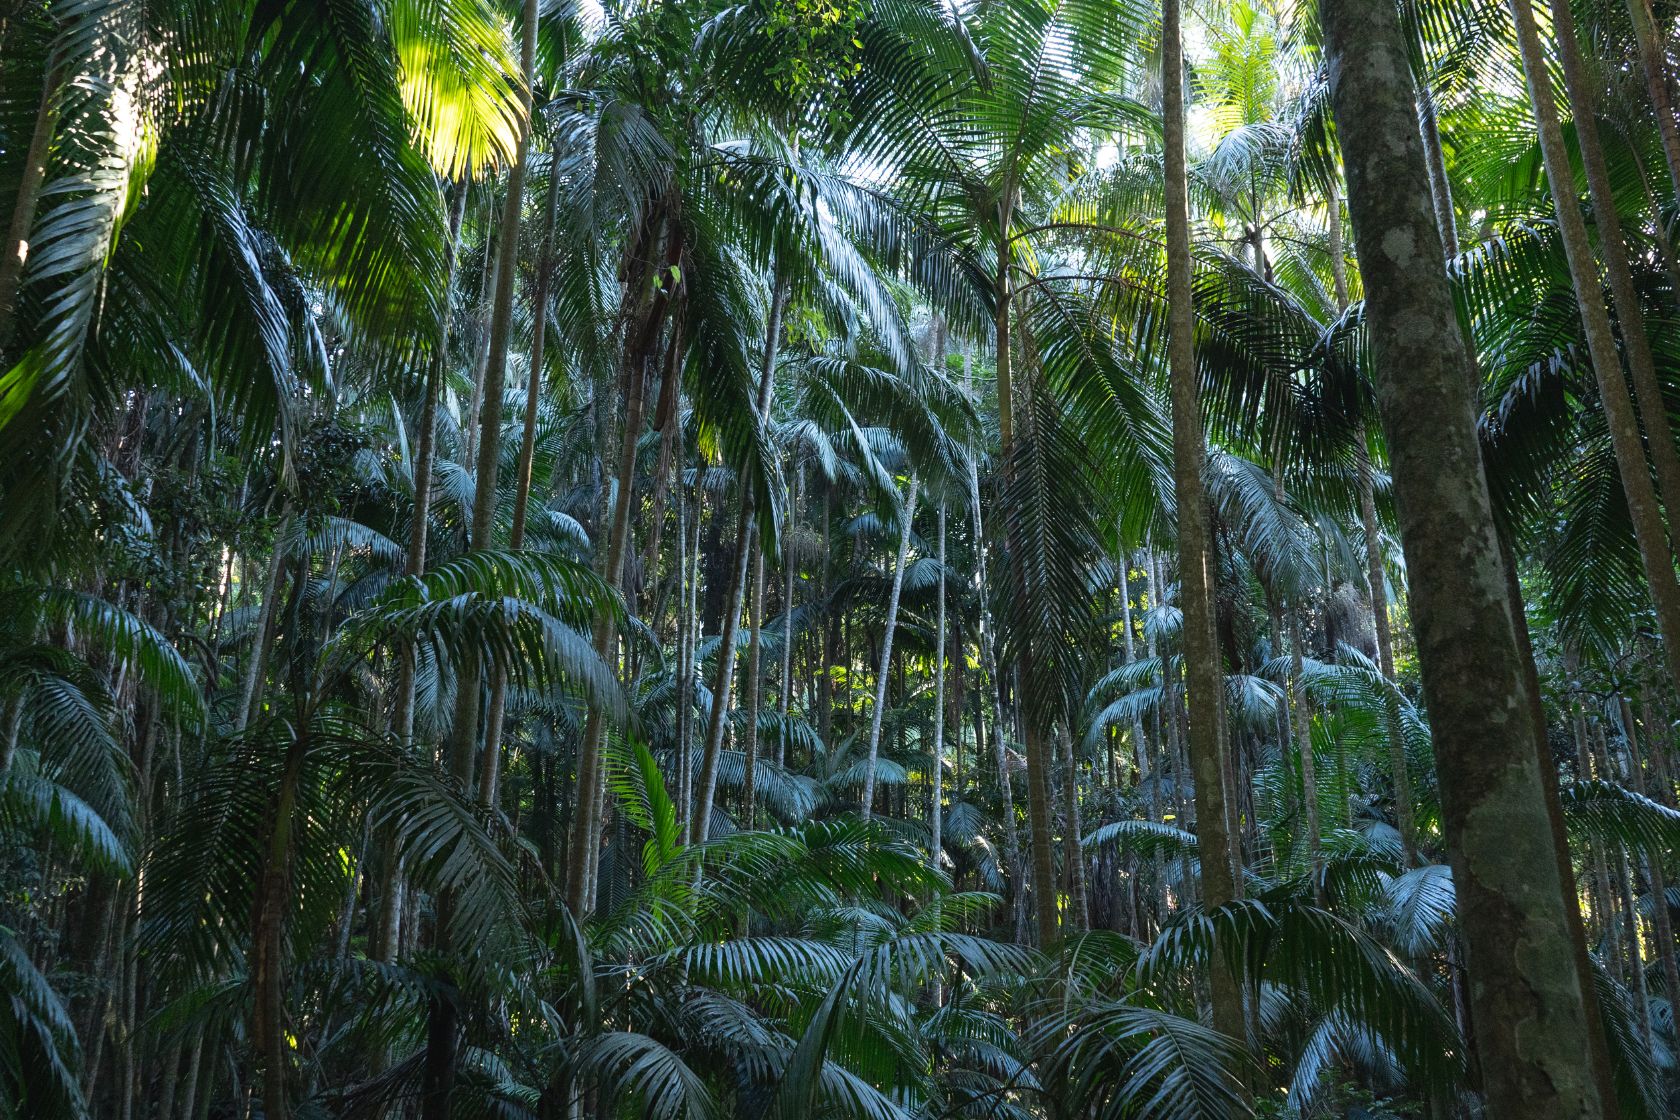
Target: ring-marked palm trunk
{"x":1643,"y":508}
{"x":1529,"y":1005}
{"x":1203,"y":668}
{"x":906,"y":516}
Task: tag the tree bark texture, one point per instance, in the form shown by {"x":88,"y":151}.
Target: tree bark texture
{"x":1527,"y":1002}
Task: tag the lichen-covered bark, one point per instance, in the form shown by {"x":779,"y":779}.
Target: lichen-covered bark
{"x":1527,"y":1003}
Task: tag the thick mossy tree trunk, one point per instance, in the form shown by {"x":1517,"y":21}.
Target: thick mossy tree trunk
{"x":1528,"y":1004}
{"x":1203,"y":667}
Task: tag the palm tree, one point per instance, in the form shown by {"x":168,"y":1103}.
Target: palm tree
{"x":253,"y":856}
{"x":1205,"y":677}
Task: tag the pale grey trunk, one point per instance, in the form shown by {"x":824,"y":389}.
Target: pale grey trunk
{"x":906,"y":515}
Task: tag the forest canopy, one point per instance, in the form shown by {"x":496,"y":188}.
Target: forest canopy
{"x":869,"y":559}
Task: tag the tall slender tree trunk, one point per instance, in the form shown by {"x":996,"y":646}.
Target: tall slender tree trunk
{"x":1643,"y":508}
{"x":1303,"y":740}
{"x":489,"y":281}
{"x":785,"y":702}
{"x":994,"y":691}
{"x":745,"y":526}
{"x":1440,"y":187}
{"x":586,"y":822}
{"x":1039,"y":759}
{"x":1654,"y":64}
{"x":1612,"y":247}
{"x":533,"y":384}
{"x":387,"y":925}
{"x":14,"y":254}
{"x":1204,"y":672}
{"x":268,"y":933}
{"x":906,"y":515}
{"x":1140,"y":745}
{"x":640,"y":346}
{"x":438,"y":1067}
{"x":667,"y":421}
{"x":1368,"y":500}
{"x":1528,"y":1005}
{"x":1378,"y":586}
{"x":490,"y":765}
{"x":1662,"y":924}
{"x":487,"y":451}
{"x":1598,"y":873}
{"x":754,"y":689}
{"x":688,"y":588}
{"x":936,"y":807}
{"x":1079,"y":901}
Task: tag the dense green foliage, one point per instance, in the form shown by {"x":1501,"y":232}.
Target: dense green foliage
{"x":648,"y":585}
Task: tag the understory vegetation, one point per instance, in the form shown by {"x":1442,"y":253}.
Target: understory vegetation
{"x":839,"y":558}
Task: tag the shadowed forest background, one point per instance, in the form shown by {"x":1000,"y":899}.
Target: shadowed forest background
{"x":881,"y":559}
